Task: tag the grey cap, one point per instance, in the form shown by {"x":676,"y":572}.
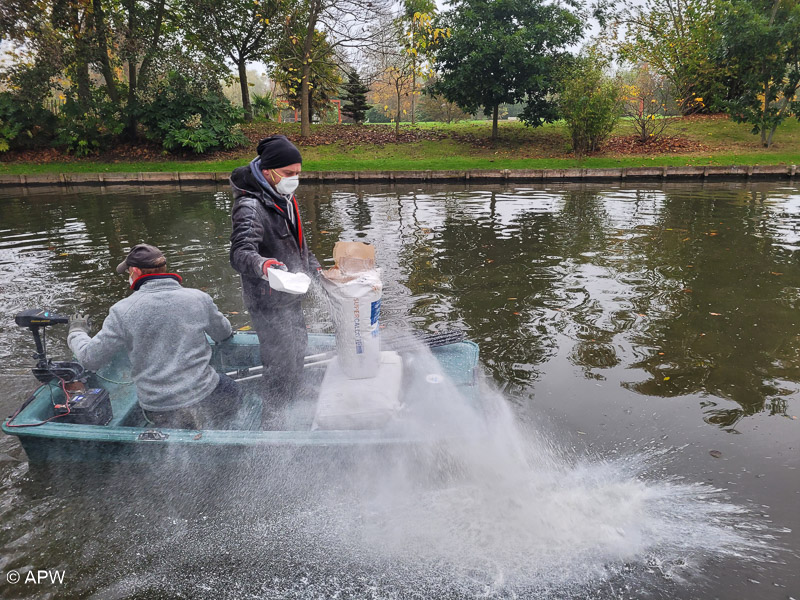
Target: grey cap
{"x":143,"y":256}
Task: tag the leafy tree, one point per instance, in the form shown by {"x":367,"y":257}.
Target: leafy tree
{"x":761,"y":46}
{"x":591,"y":103}
{"x":420,"y":38}
{"x":676,"y":39}
{"x":354,"y":97}
{"x":505,"y":51}
{"x":240,"y":31}
{"x":323,"y":76}
{"x":65,"y":43}
{"x":142,"y":29}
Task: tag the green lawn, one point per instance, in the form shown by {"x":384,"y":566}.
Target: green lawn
{"x":467,"y":145}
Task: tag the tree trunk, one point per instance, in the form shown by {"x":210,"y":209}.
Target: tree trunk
{"x":82,"y":53}
{"x":305,"y":102}
{"x":248,"y":109}
{"x":784,"y":106}
{"x":102,"y":41}
{"x":764,"y":113}
{"x":764,"y":141}
{"x":144,"y":70}
{"x":495,"y":113}
{"x":413,"y":89}
{"x":397,"y":116}
{"x":130,"y":129}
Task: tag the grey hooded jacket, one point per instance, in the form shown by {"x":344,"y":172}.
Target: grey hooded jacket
{"x":163,"y":327}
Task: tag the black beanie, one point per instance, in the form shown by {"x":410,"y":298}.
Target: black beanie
{"x":277,"y":151}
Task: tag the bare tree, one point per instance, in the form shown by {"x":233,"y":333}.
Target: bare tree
{"x":347,"y":24}
{"x":398,"y":72}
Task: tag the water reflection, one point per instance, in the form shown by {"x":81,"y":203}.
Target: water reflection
{"x":672,"y":291}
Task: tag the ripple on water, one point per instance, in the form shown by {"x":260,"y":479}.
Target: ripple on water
{"x":595,"y":277}
{"x":516,"y":517}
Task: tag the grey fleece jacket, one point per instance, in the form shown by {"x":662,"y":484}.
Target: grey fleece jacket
{"x":163,"y":328}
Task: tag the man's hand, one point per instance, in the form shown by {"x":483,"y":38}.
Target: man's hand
{"x":79,"y":322}
{"x":271,"y":263}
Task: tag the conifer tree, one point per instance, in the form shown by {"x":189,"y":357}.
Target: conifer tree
{"x":355,"y":98}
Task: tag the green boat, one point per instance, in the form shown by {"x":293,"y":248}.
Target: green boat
{"x":128,"y":437}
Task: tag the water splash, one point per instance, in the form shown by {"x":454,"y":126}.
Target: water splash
{"x":478,"y":509}
{"x":513,"y":515}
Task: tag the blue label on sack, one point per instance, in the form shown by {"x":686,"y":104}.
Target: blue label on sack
{"x":357,"y":327}
{"x":375,"y":312}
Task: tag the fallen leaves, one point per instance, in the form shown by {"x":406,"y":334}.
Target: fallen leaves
{"x":343,"y":135}
{"x":631,"y":144}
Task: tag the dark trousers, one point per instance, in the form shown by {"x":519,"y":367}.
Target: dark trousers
{"x":283,"y":339}
{"x":215,"y":411}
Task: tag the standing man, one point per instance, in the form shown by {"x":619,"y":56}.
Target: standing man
{"x":268,"y":234}
{"x":163,"y":327}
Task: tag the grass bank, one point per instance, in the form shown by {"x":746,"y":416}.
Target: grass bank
{"x":696,"y":141}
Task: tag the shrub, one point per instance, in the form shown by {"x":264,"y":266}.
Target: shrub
{"x":182,"y":115}
{"x":591,"y":103}
{"x":265,"y":107}
{"x":23,"y":125}
{"x":89,"y":130}
{"x":376,"y":115}
{"x":646,"y":99}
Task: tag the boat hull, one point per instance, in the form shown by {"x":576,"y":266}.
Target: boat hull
{"x":127,"y":438}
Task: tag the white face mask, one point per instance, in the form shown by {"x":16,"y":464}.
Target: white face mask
{"x":287,"y":185}
{"x":130,"y":280}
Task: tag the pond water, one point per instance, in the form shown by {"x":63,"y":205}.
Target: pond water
{"x":645,"y":341}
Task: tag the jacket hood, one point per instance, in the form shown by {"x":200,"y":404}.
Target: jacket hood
{"x":249,"y":181}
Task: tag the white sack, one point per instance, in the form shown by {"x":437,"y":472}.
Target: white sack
{"x":355,"y":310}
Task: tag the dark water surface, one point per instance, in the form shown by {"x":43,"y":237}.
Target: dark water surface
{"x":647,"y":340}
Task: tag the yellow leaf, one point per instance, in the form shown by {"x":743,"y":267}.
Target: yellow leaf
{"x":245,"y":328}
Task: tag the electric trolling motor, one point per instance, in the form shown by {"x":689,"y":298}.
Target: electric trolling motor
{"x":80,"y":405}
{"x":45,"y":369}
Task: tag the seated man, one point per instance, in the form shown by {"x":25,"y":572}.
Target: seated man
{"x":163,"y":327}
